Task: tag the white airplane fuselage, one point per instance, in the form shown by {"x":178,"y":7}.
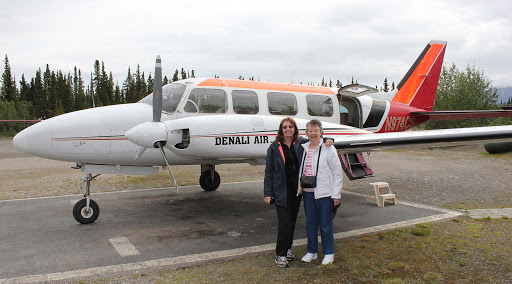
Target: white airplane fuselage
{"x":97,"y":135}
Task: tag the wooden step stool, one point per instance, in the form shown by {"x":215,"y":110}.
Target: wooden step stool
{"x":381,"y":197}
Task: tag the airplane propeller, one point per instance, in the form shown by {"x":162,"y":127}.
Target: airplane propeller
{"x":157,"y":91}
{"x":153,"y":134}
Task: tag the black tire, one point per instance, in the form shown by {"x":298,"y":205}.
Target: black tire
{"x":206,"y":182}
{"x":84,"y":217}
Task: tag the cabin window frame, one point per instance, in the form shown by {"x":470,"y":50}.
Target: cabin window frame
{"x":314,"y":102}
{"x":239,"y":96}
{"x":284,"y":97}
{"x":200,"y":104}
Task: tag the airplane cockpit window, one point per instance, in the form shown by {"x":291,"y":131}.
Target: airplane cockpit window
{"x":172,"y":94}
{"x":319,"y":105}
{"x":203,"y":100}
{"x":245,"y":102}
{"x":282,"y":103}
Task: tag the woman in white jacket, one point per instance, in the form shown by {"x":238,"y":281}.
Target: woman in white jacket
{"x":320,"y":201}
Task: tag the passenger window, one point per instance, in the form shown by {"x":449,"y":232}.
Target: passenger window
{"x":245,"y":102}
{"x":319,"y":105}
{"x":282,"y":103}
{"x":207,"y":101}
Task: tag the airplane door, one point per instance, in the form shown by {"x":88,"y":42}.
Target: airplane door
{"x":350,"y":115}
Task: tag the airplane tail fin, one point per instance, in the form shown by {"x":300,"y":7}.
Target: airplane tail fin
{"x":419,"y":86}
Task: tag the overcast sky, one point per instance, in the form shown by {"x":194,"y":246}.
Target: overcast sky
{"x":279,"y":41}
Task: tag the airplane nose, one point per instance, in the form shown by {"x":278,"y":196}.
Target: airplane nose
{"x":34,"y":140}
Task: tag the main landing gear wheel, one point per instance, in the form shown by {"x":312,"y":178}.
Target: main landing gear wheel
{"x":206,"y":181}
{"x":84,"y":214}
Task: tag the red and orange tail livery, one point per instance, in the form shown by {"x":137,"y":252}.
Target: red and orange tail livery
{"x":419,"y":86}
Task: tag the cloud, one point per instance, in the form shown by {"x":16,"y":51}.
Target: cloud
{"x":270,"y":40}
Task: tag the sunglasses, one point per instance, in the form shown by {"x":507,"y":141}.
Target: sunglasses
{"x":287,"y":126}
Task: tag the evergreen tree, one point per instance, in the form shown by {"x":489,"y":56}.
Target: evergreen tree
{"x":40,"y":96}
{"x":194,"y":75}
{"x":79,"y":90}
{"x":165,"y":81}
{"x":138,"y":83}
{"x":392,"y":86}
{"x":183,"y":74}
{"x":92,"y":93}
{"x":96,"y":85}
{"x":143,"y":87}
{"x":385,"y":86}
{"x":151,"y":83}
{"x":118,"y":99}
{"x":110,"y":89}
{"x":49,"y":90}
{"x":8,"y":89}
{"x":25,"y":89}
{"x":129,"y":91}
{"x":175,"y":76}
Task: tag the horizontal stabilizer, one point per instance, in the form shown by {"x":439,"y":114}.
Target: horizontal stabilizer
{"x":462,"y":114}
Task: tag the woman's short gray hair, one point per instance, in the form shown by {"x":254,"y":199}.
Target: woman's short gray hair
{"x":315,"y":122}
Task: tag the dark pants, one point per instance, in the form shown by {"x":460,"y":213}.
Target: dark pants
{"x":287,"y":217}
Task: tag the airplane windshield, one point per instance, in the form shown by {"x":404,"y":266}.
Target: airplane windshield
{"x":172,"y":96}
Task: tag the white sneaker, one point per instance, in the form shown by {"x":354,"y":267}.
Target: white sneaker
{"x":309,"y":257}
{"x":328,"y":259}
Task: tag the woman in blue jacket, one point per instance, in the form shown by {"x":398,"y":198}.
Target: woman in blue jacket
{"x":281,"y":183}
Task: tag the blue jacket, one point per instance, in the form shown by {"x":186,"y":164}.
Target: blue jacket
{"x":275,"y":175}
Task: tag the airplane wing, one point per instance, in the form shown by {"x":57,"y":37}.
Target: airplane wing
{"x":462,"y":114}
{"x":422,"y":139}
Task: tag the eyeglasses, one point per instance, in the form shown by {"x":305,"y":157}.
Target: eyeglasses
{"x":288,"y":126}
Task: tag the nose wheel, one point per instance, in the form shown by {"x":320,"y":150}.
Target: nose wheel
{"x":86,"y":214}
{"x":86,"y":210}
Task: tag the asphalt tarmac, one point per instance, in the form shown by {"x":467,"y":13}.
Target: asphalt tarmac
{"x":41,"y":241}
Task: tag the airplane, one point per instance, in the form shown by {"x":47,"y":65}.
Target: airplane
{"x":213,"y":121}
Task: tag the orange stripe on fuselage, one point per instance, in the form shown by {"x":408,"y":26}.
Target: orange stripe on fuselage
{"x":409,"y":89}
{"x":215,"y":82}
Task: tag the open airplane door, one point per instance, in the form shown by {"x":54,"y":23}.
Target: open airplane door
{"x":355,"y":166}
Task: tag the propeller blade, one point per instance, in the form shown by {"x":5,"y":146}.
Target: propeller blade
{"x":161,"y":146}
{"x":140,"y":152}
{"x":157,"y":91}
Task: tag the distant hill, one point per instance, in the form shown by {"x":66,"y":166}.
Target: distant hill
{"x":504,"y":94}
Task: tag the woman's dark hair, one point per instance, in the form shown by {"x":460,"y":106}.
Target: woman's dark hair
{"x":280,"y":134}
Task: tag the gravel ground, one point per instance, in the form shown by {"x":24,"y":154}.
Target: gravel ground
{"x":456,"y":177}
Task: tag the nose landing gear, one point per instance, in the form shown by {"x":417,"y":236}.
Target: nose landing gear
{"x":86,"y":210}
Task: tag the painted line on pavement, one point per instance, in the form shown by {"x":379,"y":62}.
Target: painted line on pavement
{"x":124,"y":247}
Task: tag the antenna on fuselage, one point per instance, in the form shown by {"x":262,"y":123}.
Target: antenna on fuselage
{"x":291,"y":77}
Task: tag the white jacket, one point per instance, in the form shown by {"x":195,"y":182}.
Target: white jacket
{"x":329,"y":179}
